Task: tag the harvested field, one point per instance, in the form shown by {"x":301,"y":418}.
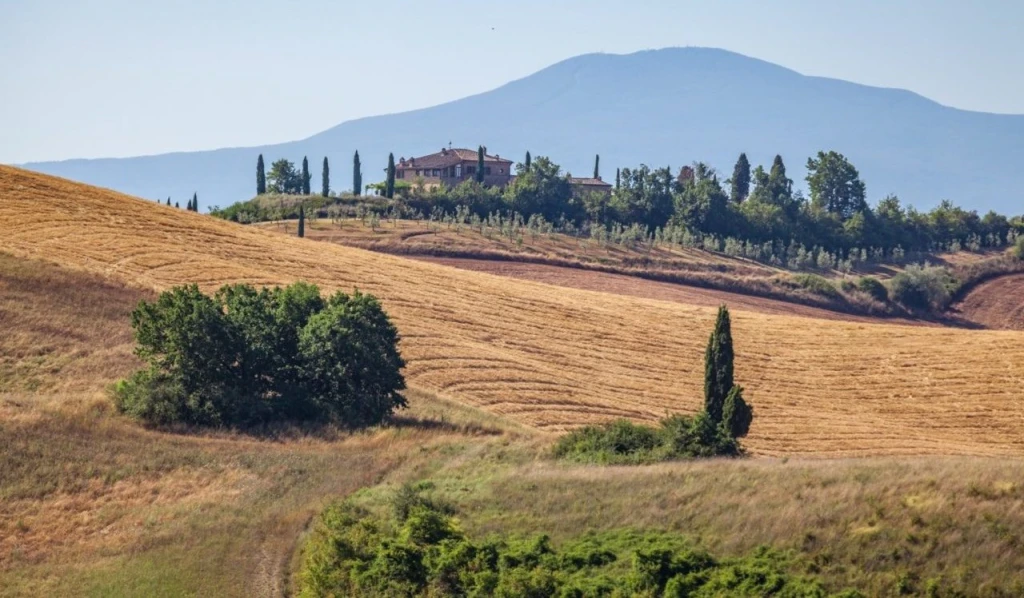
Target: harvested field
{"x":555,"y":358}
{"x":620,"y":284}
{"x":997,"y":304}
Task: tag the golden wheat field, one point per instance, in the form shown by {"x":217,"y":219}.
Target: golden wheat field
{"x":554,"y":358}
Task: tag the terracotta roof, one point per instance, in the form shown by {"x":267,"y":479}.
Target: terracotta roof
{"x":589,"y":181}
{"x":448,"y":157}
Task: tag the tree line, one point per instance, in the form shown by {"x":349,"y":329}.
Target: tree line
{"x":285,"y":178}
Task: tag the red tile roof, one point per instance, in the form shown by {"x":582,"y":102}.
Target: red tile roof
{"x":449,"y":157}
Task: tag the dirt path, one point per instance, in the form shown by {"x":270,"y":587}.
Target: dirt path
{"x":650,"y":289}
{"x":997,"y":304}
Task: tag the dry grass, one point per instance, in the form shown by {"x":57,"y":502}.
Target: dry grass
{"x":91,"y":503}
{"x":555,"y":358}
{"x":956,"y":522}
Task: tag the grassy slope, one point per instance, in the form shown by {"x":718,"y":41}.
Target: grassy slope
{"x":93,"y":504}
{"x":555,"y":358}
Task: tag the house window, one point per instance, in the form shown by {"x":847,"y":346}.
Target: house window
{"x":487,"y":171}
{"x":471,"y":170}
{"x":458,"y":170}
{"x":437,"y":172}
{"x":418,"y":172}
{"x":401,"y":174}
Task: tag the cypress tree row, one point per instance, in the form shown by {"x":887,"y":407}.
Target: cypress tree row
{"x":326,"y":179}
{"x":597,"y":166}
{"x":261,"y":177}
{"x":302,"y":222}
{"x":389,"y":182}
{"x":740,"y":180}
{"x":480,"y":164}
{"x":305,"y":176}
{"x":357,"y":175}
{"x":528,"y":161}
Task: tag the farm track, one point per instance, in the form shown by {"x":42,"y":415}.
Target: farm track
{"x":996,"y":304}
{"x":555,"y":358}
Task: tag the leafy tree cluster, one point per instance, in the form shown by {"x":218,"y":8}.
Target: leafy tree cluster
{"x":284,"y":178}
{"x":755,"y":207}
{"x":420,"y":550}
{"x":712,"y":432}
{"x":247,"y":357}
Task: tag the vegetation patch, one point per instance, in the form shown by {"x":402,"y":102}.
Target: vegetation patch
{"x":713,"y":432}
{"x":248,"y":357}
{"x":420,"y":550}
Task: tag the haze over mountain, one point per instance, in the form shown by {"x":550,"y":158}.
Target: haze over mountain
{"x":660,"y":107}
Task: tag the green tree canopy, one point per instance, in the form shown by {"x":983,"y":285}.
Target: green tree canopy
{"x":740,"y":182}
{"x":283,"y":178}
{"x":835,"y":185}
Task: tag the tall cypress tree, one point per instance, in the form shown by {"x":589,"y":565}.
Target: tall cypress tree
{"x":195,"y":202}
{"x":302,"y":222}
{"x":357,"y":175}
{"x":305,"y":176}
{"x":176,"y":205}
{"x":480,"y":164}
{"x":168,"y":200}
{"x":261,"y":177}
{"x":597,"y":166}
{"x":389,"y":182}
{"x":718,"y":366}
{"x":740,"y":180}
{"x":326,"y":179}
{"x":618,"y":177}
{"x":529,"y":160}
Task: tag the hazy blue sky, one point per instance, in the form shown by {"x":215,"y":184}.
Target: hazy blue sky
{"x":128,"y":77}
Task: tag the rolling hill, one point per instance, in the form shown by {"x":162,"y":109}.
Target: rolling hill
{"x":670,"y":106}
{"x":554,"y":358}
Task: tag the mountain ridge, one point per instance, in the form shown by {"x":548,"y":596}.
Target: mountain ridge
{"x":668,"y":106}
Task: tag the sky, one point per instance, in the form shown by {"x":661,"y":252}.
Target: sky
{"x":116,"y":78}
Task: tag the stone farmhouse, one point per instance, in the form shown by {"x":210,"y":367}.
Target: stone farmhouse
{"x":452,"y":166}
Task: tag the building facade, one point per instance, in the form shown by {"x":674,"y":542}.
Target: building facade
{"x":450,"y":167}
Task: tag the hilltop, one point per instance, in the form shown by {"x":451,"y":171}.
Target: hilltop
{"x":670,"y":106}
{"x":554,"y":358}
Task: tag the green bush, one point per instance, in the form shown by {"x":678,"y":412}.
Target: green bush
{"x":873,"y":287}
{"x":817,"y":285}
{"x":353,"y":552}
{"x":247,"y":356}
{"x":1018,"y":248}
{"x":923,"y":288}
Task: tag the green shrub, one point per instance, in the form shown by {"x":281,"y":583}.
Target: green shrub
{"x":873,"y":287}
{"x":817,"y":285}
{"x":352,"y":552}
{"x":924,"y":288}
{"x":623,"y":442}
{"x":247,"y":356}
{"x":1018,"y":248}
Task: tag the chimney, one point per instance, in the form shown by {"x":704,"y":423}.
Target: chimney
{"x":444,"y":152}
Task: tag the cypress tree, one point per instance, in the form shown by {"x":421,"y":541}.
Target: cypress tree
{"x":597,"y":166}
{"x":389,"y":182}
{"x":480,"y":164}
{"x":176,"y":205}
{"x":305,"y":176}
{"x":528,"y":160}
{"x":302,"y":222}
{"x":618,"y":177}
{"x":736,"y":414}
{"x":718,"y":366}
{"x":195,"y":202}
{"x":326,"y":182}
{"x":168,"y":200}
{"x":357,"y":175}
{"x":740,"y":179}
{"x":261,"y":177}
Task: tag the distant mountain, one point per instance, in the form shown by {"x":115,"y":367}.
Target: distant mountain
{"x":660,"y":107}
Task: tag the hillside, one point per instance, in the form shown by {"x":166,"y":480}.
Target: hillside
{"x":670,"y":106}
{"x":554,"y":358}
